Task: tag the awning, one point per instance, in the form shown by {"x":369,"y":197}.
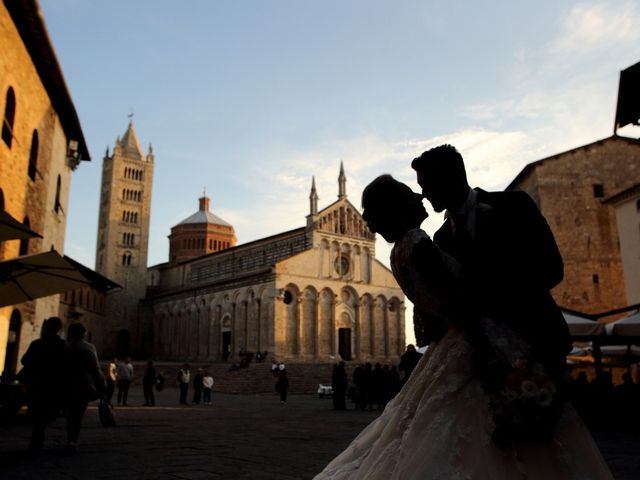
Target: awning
{"x":580,"y":326}
{"x":12,"y":229}
{"x":625,"y":327}
{"x":40,"y":275}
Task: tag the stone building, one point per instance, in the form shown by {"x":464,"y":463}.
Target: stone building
{"x":312,"y":294}
{"x":569,"y":188}
{"x":42,"y":143}
{"x":123,"y":238}
{"x":627,"y":211}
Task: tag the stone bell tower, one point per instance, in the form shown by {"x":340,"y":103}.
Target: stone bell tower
{"x":123,"y":239}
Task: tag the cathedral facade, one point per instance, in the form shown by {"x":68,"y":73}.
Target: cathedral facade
{"x":313,"y":294}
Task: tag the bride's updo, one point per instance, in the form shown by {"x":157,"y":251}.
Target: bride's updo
{"x":391,"y":208}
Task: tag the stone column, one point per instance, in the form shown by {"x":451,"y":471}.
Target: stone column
{"x":280,"y":325}
{"x":357,"y":330}
{"x":258,"y":325}
{"x":332,"y":338}
{"x":316,"y":336}
{"x":297,"y":347}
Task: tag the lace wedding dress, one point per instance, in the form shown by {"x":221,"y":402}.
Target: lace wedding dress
{"x":439,"y":426}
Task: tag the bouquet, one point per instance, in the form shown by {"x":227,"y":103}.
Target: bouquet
{"x":525,"y":398}
{"x":525,"y":402}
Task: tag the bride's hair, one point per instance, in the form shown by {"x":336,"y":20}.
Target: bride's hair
{"x":388,"y":194}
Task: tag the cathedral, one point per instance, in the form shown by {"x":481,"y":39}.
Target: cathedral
{"x":313,"y":294}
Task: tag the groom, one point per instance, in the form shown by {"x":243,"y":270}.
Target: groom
{"x":509,"y":257}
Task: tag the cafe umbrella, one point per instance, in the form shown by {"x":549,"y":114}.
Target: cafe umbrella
{"x":42,"y":274}
{"x":12,"y":229}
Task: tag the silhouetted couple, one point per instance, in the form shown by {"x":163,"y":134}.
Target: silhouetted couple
{"x":61,"y":375}
{"x":486,"y":401}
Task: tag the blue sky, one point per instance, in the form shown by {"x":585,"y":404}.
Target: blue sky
{"x":251,"y":98}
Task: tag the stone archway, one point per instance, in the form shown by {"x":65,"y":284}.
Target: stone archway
{"x":226,"y":339}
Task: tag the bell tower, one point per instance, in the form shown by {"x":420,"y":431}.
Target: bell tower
{"x":123,"y":237}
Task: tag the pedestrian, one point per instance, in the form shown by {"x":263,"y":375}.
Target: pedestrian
{"x":197,"y":386}
{"x":282,"y":386}
{"x":84,"y":381}
{"x":124,"y":375}
{"x":148,"y":382}
{"x":339,"y":383}
{"x":207,"y":387}
{"x":43,"y":366}
{"x":112,"y":369}
{"x":408,"y":361}
{"x":184,"y":377}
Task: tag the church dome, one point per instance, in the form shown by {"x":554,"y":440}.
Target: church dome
{"x":200,"y":234}
{"x":203,"y":215}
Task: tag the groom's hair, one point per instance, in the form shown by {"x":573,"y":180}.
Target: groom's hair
{"x":445,"y":160}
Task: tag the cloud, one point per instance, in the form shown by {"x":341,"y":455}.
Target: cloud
{"x":597,"y":27}
{"x":561,"y":93}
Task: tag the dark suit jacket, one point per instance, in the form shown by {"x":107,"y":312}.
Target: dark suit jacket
{"x":510,"y":267}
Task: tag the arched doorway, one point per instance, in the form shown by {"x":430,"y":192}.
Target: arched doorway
{"x":226,"y":337}
{"x":344,"y":343}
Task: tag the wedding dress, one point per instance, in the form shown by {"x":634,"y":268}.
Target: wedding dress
{"x":439,"y":426}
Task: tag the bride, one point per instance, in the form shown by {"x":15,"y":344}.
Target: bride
{"x":452,"y":420}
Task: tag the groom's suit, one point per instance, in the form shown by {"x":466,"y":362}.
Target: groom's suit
{"x":510,"y":262}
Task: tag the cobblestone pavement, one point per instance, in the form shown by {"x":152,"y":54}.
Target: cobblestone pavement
{"x":239,"y":436}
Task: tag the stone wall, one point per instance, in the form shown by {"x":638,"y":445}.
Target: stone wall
{"x":42,"y":196}
{"x":569,"y":189}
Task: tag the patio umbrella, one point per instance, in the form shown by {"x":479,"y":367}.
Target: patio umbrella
{"x":625,"y":327}
{"x":12,"y":229}
{"x":40,"y":275}
{"x":582,"y":327}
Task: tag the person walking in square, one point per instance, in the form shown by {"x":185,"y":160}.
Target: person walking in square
{"x":282,"y":386}
{"x":84,"y":381}
{"x":125,"y":376}
{"x":43,"y":370}
{"x":197,"y":387}
{"x":184,"y":377}
{"x":207,"y":387}
{"x":112,"y":375}
{"x":339,"y":383}
{"x":148,"y":383}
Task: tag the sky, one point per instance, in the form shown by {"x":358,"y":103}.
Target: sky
{"x":250,"y":99}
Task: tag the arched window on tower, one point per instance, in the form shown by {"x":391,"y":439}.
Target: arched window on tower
{"x":9,"y":116}
{"x":33,"y":156}
{"x":57,"y":205}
